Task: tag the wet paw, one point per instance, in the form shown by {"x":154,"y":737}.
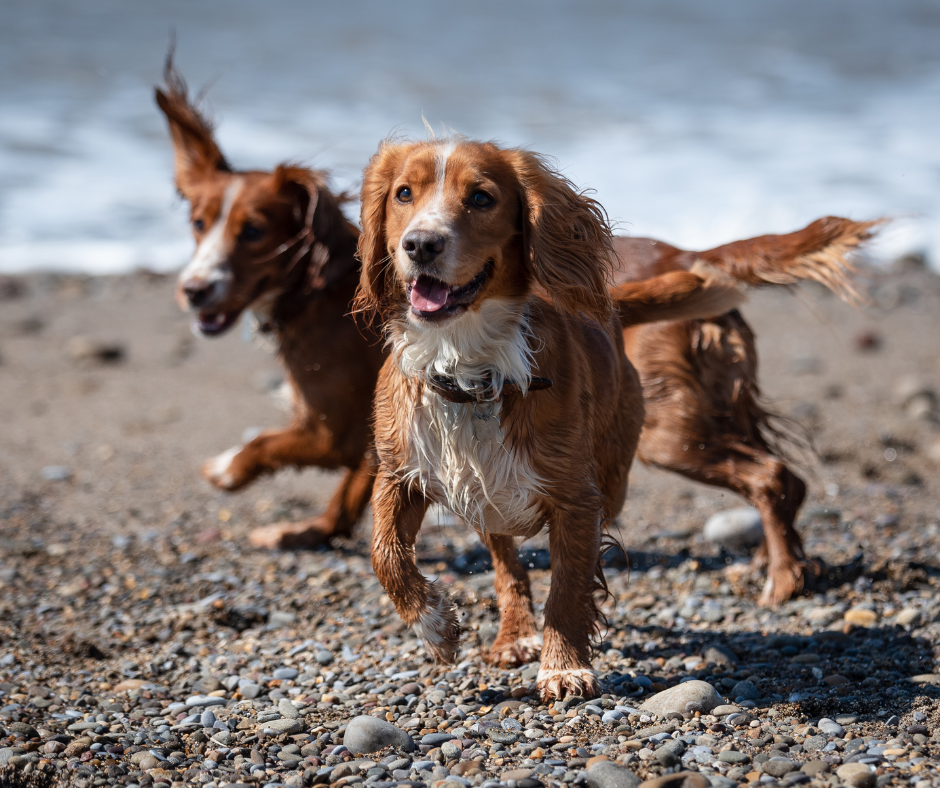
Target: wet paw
{"x":438,"y":626}
{"x":559,"y":684}
{"x":221,"y":472}
{"x":513,"y":653}
{"x":782,"y":584}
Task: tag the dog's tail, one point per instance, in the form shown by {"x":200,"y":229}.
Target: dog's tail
{"x":818,"y":252}
{"x":677,"y":295}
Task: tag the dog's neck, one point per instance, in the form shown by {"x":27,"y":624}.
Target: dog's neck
{"x":478,"y":353}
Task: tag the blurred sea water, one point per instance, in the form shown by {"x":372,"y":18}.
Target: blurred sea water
{"x":694,"y":122}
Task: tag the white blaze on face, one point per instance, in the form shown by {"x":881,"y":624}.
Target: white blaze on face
{"x":207,"y":266}
{"x":432,"y":218}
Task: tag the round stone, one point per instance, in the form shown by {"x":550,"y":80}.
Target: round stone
{"x":607,"y":774}
{"x":830,"y":727}
{"x":745,"y":689}
{"x":778,"y":767}
{"x":324,"y":657}
{"x":858,"y":775}
{"x":366,"y":734}
{"x":735,"y":528}
{"x":676,"y":699}
{"x":282,"y":726}
{"x":285,"y":674}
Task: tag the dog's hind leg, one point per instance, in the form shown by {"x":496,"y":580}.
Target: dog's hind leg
{"x":705,"y":421}
{"x":398,"y":511}
{"x":341,"y":515}
{"x":517,"y":641}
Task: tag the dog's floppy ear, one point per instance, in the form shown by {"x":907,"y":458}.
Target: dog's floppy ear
{"x":196,"y":152}
{"x":566,"y":237}
{"x":375,"y":283}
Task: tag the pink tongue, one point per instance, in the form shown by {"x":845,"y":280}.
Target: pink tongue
{"x":428,"y":295}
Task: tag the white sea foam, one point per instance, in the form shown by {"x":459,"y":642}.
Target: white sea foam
{"x":697,"y":126}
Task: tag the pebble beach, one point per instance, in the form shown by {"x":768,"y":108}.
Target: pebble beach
{"x":144,"y":643}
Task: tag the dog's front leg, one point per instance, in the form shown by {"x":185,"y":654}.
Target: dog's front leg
{"x":398,"y":511}
{"x":570,"y":612}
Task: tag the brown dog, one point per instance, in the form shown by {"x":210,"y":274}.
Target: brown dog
{"x":704,"y":415}
{"x":507,"y":396}
{"x":278,"y":243}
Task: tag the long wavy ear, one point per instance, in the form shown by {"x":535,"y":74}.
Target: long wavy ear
{"x":375,"y":282}
{"x":566,"y":237}
{"x":318,"y":210}
{"x":195,"y":149}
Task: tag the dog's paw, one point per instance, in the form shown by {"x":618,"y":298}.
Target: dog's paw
{"x":291,"y":536}
{"x":438,"y":626}
{"x":783,"y":583}
{"x":513,"y":653}
{"x":221,"y":471}
{"x":559,"y":684}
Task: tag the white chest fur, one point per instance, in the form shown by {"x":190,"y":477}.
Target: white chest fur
{"x":459,"y":459}
{"x":467,"y":466}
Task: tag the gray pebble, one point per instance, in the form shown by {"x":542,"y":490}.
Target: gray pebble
{"x":778,"y":767}
{"x":607,"y":774}
{"x":197,"y":701}
{"x":207,"y":719}
{"x":746,"y":690}
{"x":283,"y":726}
{"x":735,"y":528}
{"x":324,"y":657}
{"x":436,"y":739}
{"x":250,"y":691}
{"x":286,"y":674}
{"x":675,"y":699}
{"x":366,"y":734}
{"x":56,"y":473}
{"x":288,"y":709}
{"x":830,"y":727}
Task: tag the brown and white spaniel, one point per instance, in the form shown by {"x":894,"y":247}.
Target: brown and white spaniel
{"x":277,"y":243}
{"x":507,"y":396}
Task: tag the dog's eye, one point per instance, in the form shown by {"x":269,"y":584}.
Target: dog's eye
{"x":480,"y":200}
{"x":199,"y":225}
{"x":250,"y":233}
{"x":404,"y":194}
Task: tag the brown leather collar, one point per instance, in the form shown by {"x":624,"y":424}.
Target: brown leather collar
{"x":447,"y":388}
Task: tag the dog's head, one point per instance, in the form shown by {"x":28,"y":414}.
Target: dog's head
{"x":448,"y":224}
{"x":248,"y":226}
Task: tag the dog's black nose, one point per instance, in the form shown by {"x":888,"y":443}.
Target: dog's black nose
{"x":422,"y":246}
{"x":198,"y":293}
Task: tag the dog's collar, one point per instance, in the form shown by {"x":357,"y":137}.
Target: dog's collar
{"x":448,"y":388}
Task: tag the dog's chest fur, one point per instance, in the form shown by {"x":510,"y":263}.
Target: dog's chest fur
{"x":459,"y":459}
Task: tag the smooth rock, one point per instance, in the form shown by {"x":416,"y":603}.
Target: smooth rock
{"x":735,"y":528}
{"x":831,"y":727}
{"x":675,"y":699}
{"x":777,"y":767}
{"x":813,"y":768}
{"x":719,"y":654}
{"x":285,"y":674}
{"x":861,"y":617}
{"x":283,"y":725}
{"x":732,"y":756}
{"x":366,"y":734}
{"x":288,"y":709}
{"x":724,"y":709}
{"x":607,"y":774}
{"x":197,"y":701}
{"x":745,"y":689}
{"x":858,"y":775}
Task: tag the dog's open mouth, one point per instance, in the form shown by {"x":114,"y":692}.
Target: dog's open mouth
{"x":432,"y":299}
{"x":212,"y":324}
